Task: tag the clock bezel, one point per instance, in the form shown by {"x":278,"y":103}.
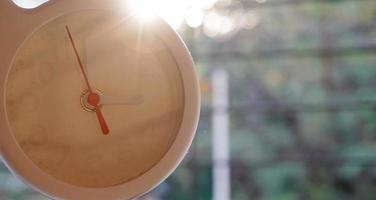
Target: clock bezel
{"x":18,"y":162}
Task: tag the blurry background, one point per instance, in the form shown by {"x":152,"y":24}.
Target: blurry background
{"x":293,"y":80}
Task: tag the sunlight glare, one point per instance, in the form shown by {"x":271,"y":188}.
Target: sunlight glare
{"x":174,"y":12}
{"x":143,"y":8}
{"x":216,"y":25}
{"x":194,"y":17}
{"x":203,"y":4}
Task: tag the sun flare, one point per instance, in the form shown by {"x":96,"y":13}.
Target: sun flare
{"x":174,"y":12}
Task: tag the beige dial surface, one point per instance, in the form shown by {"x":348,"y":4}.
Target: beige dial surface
{"x":128,"y":64}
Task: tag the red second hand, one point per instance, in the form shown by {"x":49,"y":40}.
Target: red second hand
{"x":93,"y":98}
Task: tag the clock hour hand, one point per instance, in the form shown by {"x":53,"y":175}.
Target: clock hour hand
{"x":121,"y":100}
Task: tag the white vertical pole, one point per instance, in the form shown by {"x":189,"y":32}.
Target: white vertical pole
{"x":220,"y":145}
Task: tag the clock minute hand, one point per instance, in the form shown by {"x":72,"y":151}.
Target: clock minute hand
{"x":93,"y":98}
{"x":79,"y":60}
{"x":121,"y":100}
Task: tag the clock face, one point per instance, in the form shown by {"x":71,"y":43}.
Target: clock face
{"x":139,"y":85}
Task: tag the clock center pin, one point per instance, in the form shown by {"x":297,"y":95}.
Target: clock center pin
{"x":90,"y":100}
{"x":93,"y":99}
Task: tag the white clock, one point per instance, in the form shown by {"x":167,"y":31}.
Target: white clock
{"x":94,"y":103}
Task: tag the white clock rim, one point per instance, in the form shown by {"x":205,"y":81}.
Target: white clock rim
{"x":25,"y":169}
